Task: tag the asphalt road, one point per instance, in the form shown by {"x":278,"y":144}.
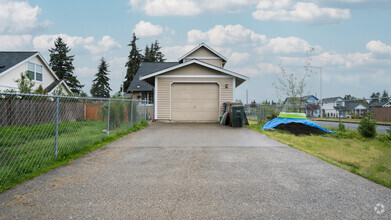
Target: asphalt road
{"x":199,"y":171}
{"x":379,"y":128}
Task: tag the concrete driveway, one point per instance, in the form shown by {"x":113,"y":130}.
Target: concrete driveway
{"x":197,"y":171}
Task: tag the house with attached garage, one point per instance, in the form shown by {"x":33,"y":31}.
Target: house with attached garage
{"x":192,"y":89}
{"x":13,"y":63}
{"x":335,"y":106}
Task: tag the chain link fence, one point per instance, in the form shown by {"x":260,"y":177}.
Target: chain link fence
{"x":330,"y":109}
{"x":36,"y":130}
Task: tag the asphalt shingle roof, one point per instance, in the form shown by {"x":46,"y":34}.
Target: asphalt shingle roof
{"x":9,"y":59}
{"x":349,"y":105}
{"x":377,"y":104}
{"x":331,"y":99}
{"x":145,"y":69}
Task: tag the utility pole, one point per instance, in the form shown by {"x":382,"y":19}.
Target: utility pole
{"x":321,"y":99}
{"x":246,"y":96}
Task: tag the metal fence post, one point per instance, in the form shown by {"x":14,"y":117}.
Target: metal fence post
{"x":108,"y":118}
{"x":131,"y":113}
{"x":145,"y":108}
{"x":260,"y":112}
{"x":56,"y":138}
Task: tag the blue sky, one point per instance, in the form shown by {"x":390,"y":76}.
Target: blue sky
{"x":352,"y":38}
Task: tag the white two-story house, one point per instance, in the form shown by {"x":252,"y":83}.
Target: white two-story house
{"x":13,"y":63}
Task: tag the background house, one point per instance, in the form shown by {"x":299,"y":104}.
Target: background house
{"x":335,"y":106}
{"x":12,"y":64}
{"x":308,"y":104}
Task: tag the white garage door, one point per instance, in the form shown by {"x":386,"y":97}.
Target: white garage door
{"x":194,"y":102}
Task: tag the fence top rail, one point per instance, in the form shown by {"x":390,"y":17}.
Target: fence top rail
{"x":67,"y":97}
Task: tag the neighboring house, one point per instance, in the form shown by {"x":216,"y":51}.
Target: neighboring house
{"x":328,"y":106}
{"x":381,"y":111}
{"x":14,"y":63}
{"x":380,"y":104}
{"x":334,"y":106}
{"x":309,"y":105}
{"x":194,"y":89}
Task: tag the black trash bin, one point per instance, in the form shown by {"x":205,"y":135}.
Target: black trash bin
{"x":237,"y":115}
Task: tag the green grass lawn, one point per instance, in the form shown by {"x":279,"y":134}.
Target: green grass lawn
{"x":370,"y":158}
{"x":347,"y":120}
{"x":27,"y":151}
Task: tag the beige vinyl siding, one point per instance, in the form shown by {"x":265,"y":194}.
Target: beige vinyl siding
{"x":194,"y":69}
{"x":164,"y":87}
{"x":202,"y":52}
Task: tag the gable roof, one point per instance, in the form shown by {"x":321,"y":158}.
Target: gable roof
{"x":9,"y":59}
{"x":228,"y":72}
{"x":304,"y":98}
{"x":350,"y":105}
{"x":147,"y":68}
{"x":331,"y":99}
{"x":378,"y":104}
{"x":198,"y":47}
{"x":57,"y":83}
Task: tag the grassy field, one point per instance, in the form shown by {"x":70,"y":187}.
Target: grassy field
{"x":347,"y":120}
{"x":370,"y":158}
{"x":27,"y":151}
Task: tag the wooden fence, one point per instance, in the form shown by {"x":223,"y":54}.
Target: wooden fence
{"x":382,"y":113}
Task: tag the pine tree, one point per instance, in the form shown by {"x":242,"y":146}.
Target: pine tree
{"x":158,"y":55}
{"x":385,"y":96}
{"x":62,"y":65}
{"x":153,"y":53}
{"x":100,"y":85}
{"x":134,"y":61}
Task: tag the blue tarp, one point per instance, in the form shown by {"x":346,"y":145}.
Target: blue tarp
{"x":277,"y":121}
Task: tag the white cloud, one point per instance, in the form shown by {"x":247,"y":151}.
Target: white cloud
{"x":166,"y":7}
{"x":378,"y":47}
{"x":175,"y":52}
{"x":107,"y":43}
{"x":147,"y":29}
{"x":229,"y":34}
{"x":286,"y":45}
{"x":348,"y":60}
{"x":237,"y":58}
{"x":13,"y":42}
{"x":85,"y":72}
{"x":269,"y":68}
{"x":189,"y":7}
{"x":19,"y":17}
{"x":287,"y":10}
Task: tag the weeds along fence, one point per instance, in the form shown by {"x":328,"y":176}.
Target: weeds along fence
{"x":35,"y":130}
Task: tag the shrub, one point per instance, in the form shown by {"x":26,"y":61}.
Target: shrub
{"x":367,"y":127}
{"x":341,"y":127}
{"x":389,"y":133}
{"x":117,"y":114}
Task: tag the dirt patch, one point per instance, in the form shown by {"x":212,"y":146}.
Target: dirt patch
{"x":299,"y":129}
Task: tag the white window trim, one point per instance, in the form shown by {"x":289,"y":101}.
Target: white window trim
{"x":35,"y":71}
{"x":198,"y":82}
{"x":155,"y":96}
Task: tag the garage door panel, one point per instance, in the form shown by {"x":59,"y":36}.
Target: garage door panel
{"x":194,"y":102}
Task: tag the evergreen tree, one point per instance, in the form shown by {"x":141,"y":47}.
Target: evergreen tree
{"x":134,"y":60}
{"x":385,"y":96}
{"x":153,"y":53}
{"x":62,"y":65}
{"x":100,"y":85}
{"x":159,"y":56}
{"x":374,"y":97}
